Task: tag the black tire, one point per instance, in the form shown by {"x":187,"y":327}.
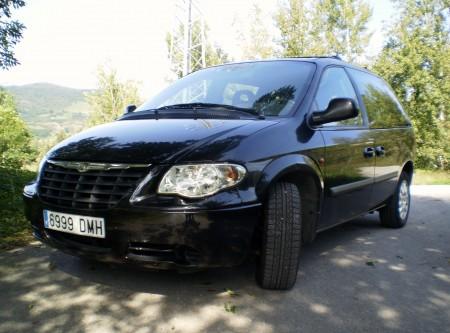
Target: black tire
{"x":281,"y":238}
{"x":395,"y":213}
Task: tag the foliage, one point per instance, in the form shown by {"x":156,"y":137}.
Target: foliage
{"x":48,"y":109}
{"x":15,"y":140}
{"x":344,"y":23}
{"x":415,"y":61}
{"x":42,"y":146}
{"x":325,"y":27}
{"x":112,"y":96}
{"x":14,"y":228}
{"x":297,"y":29}
{"x":255,"y":40}
{"x":230,"y":307}
{"x":10,"y":32}
{"x":214,"y":55}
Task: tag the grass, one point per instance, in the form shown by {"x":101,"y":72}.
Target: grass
{"x":431,"y":177}
{"x":14,"y":228}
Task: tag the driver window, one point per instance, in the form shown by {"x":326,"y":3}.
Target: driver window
{"x":336,"y":84}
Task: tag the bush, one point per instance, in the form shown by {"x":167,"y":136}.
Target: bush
{"x":14,"y":228}
{"x":15,"y":139}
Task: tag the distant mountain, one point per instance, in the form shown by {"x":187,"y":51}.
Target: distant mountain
{"x":48,"y":108}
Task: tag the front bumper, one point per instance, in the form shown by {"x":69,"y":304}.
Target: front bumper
{"x":156,"y":238}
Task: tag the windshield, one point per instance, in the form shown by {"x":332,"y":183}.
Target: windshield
{"x":268,"y":87}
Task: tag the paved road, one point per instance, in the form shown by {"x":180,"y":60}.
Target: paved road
{"x":357,"y":277}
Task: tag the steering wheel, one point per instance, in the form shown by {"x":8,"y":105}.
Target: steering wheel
{"x":243,"y":98}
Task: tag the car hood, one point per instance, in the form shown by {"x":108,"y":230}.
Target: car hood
{"x":155,"y":140}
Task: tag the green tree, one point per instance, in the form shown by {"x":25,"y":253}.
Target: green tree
{"x":255,"y":41}
{"x":298,"y":30}
{"x":415,"y":61}
{"x":15,"y":139}
{"x":111,"y":97}
{"x":344,"y":26}
{"x":42,"y":146}
{"x":325,"y":27}
{"x":10,"y":32}
{"x":215,"y":55}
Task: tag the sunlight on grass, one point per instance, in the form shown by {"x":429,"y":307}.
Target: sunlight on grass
{"x":431,"y":177}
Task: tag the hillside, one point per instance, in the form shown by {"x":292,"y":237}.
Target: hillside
{"x":48,"y":109}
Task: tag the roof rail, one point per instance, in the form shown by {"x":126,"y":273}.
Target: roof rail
{"x":337,"y":57}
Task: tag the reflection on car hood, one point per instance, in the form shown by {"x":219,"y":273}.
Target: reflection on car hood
{"x":152,"y":141}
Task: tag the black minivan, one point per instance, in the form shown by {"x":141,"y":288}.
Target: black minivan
{"x":244,"y":158}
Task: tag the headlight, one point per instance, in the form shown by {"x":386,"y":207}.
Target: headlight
{"x":30,"y":189}
{"x":199,"y":180}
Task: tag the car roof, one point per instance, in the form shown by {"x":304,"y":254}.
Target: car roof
{"x":321,"y":61}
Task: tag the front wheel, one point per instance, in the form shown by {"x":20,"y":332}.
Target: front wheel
{"x":281,"y":238}
{"x":395,"y":213}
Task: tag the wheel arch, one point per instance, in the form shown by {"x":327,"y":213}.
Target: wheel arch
{"x":302,"y":171}
{"x":408,"y":168}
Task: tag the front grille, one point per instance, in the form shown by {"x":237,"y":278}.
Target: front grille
{"x":94,"y":189}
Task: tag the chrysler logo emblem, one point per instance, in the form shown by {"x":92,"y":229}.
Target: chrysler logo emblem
{"x":83,"y":167}
{"x":88,"y":166}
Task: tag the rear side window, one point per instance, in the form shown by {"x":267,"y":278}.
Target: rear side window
{"x":335,"y":83}
{"x":383,"y":108}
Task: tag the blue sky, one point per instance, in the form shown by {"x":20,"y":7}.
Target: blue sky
{"x":65,"y":41}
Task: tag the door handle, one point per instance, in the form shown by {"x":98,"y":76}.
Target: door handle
{"x":369,"y":152}
{"x":380,"y":151}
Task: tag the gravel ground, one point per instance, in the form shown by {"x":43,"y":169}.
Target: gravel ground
{"x":357,"y":277}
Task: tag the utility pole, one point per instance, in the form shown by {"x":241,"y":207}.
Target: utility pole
{"x":187,"y":38}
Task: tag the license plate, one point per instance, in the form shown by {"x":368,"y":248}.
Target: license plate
{"x":75,"y":224}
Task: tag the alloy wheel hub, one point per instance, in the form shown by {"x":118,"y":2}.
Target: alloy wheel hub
{"x":403,"y":200}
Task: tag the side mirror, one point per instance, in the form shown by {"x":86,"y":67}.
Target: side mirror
{"x":338,"y":109}
{"x":130,"y":108}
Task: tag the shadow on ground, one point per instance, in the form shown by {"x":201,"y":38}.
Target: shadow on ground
{"x":356,"y":277}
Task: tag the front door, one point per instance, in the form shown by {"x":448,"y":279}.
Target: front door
{"x":349,"y":154}
{"x":349,"y":172}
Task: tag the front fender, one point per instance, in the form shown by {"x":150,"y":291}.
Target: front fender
{"x":284,"y":165}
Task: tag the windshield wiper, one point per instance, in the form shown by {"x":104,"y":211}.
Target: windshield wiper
{"x":200,"y":106}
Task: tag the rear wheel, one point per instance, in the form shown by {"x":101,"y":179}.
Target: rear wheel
{"x":395,"y":213}
{"x":281,"y":238}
